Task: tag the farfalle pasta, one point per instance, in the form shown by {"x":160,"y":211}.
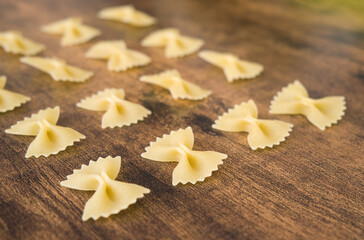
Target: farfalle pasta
{"x":118,"y":111}
{"x":50,"y":138}
{"x":178,"y":87}
{"x":10,"y":100}
{"x":58,"y":69}
{"x":127,"y":14}
{"x":15,"y":42}
{"x":192,"y":165}
{"x":73,"y":31}
{"x":322,"y":112}
{"x":111,"y":196}
{"x":233,"y":67}
{"x":261,"y":133}
{"x":119,"y":57}
{"x":175,"y":44}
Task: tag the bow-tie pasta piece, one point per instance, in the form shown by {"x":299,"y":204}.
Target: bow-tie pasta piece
{"x":50,"y":138}
{"x":58,"y":69}
{"x":233,"y":67}
{"x":127,"y":14}
{"x":192,"y":165}
{"x":111,"y":196}
{"x":73,"y":31}
{"x":261,"y":133}
{"x":10,"y":100}
{"x":322,"y":112}
{"x":119,"y":57}
{"x":179,"y":88}
{"x":176,"y":45}
{"x":118,"y":112}
{"x":14,"y":42}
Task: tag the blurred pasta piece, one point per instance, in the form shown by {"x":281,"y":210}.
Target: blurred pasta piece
{"x":178,"y":87}
{"x":118,"y":111}
{"x":127,"y":14}
{"x":10,"y":100}
{"x":58,"y":69}
{"x":15,"y":42}
{"x":118,"y":56}
{"x":72,"y":30}
{"x":175,"y":44}
{"x":233,"y":67}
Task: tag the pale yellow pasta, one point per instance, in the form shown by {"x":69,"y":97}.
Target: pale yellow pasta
{"x":233,"y":67}
{"x":322,"y":112}
{"x":73,"y":31}
{"x":175,"y":44}
{"x":111,"y":196}
{"x":50,"y":138}
{"x":119,"y":57}
{"x":127,"y":14}
{"x":261,"y":133}
{"x":10,"y":100}
{"x":192,"y":165}
{"x":118,"y":112}
{"x":58,"y":69}
{"x":14,"y":42}
{"x":179,"y":88}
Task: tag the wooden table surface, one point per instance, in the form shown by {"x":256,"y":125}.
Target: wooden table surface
{"x":309,"y":187}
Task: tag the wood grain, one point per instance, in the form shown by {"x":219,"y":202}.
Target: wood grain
{"x":309,"y":187}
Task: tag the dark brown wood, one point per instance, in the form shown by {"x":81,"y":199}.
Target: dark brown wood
{"x":309,"y":187}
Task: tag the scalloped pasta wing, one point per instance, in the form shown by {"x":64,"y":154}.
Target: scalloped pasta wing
{"x":58,"y":69}
{"x":50,"y":139}
{"x":10,"y":100}
{"x":119,"y":57}
{"x":233,"y":67}
{"x":111,"y":196}
{"x":176,"y":45}
{"x":15,"y":42}
{"x":322,"y":112}
{"x":127,"y":14}
{"x":192,"y":165}
{"x":73,"y":31}
{"x":261,"y":133}
{"x":178,"y":87}
{"x":118,"y":112}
